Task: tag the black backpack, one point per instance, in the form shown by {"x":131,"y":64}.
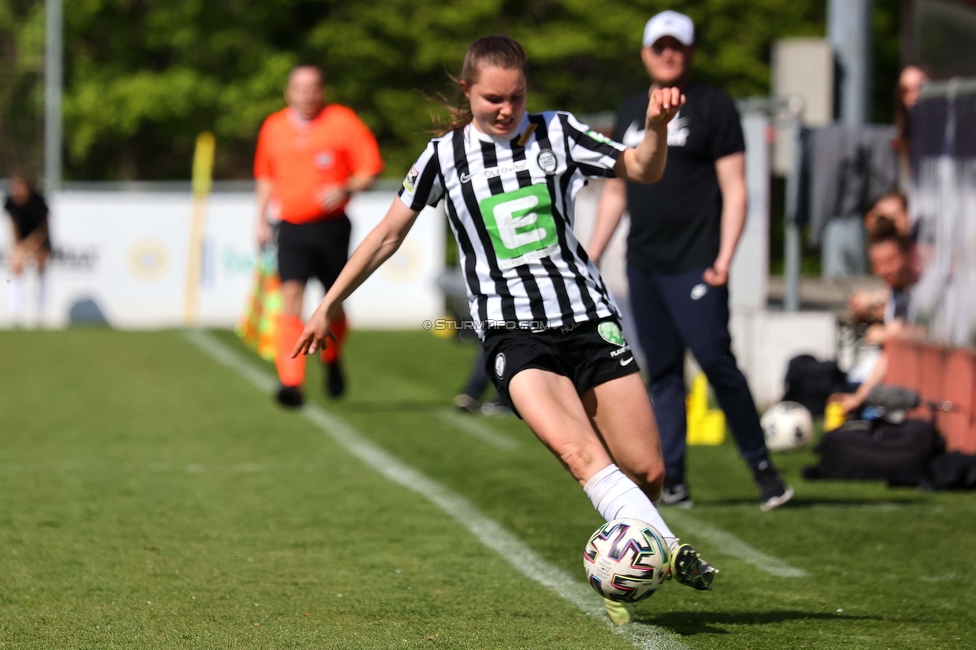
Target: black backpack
{"x":952,"y":471}
{"x":811,"y":382}
{"x":877,"y":451}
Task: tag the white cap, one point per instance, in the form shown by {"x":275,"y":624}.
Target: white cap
{"x":669,"y":23}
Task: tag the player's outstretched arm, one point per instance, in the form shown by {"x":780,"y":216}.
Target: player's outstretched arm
{"x":378,"y":246}
{"x":645,"y":162}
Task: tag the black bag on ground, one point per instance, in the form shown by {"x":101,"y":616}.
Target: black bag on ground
{"x":811,"y":382}
{"x":877,"y":451}
{"x":952,"y":471}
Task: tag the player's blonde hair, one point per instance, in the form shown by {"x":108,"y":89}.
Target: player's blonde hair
{"x":498,"y":51}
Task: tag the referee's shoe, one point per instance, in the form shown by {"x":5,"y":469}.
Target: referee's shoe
{"x":290,"y":396}
{"x":335,"y":378}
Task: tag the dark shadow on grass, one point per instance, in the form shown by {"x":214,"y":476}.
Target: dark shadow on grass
{"x":807,"y":502}
{"x":697,"y":622}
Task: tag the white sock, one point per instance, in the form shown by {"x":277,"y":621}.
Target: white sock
{"x":15,"y":296}
{"x":617,"y":497}
{"x":41,"y":298}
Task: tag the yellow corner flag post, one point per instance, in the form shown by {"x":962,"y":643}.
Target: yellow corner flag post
{"x":203,"y":158}
{"x":706,"y":426}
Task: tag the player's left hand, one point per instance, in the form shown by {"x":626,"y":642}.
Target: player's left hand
{"x":718,"y":274}
{"x":316,"y":330}
{"x":332,"y":196}
{"x":664,"y":104}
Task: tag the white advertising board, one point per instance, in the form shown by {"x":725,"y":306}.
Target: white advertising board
{"x":125,"y":253}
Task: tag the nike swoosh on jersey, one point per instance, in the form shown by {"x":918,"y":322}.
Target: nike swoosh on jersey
{"x":678,"y":122}
{"x":633,"y":136}
{"x":626,"y":362}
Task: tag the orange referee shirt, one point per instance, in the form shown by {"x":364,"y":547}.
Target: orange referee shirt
{"x":302,"y":158}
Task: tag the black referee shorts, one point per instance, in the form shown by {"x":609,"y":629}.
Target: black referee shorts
{"x":589,"y":354}
{"x":318,"y":249}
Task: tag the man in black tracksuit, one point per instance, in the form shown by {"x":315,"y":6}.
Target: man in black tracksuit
{"x":683,"y":234}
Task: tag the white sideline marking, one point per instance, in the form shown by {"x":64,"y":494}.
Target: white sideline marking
{"x":728,"y":544}
{"x":472,"y":426}
{"x":486,"y":530}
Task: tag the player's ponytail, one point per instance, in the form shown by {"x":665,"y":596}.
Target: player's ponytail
{"x":499,"y":51}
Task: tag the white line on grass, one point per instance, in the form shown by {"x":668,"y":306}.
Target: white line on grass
{"x":486,"y":530}
{"x":471,"y":425}
{"x":728,"y":544}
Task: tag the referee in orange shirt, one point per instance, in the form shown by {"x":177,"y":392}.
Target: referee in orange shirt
{"x":310,"y":159}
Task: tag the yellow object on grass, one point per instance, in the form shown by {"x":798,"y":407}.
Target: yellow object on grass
{"x":258,"y":326}
{"x":706,"y":426}
{"x":444,"y":332}
{"x":834,"y":416}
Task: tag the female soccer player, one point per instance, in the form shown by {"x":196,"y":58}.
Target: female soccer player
{"x":549,"y":327}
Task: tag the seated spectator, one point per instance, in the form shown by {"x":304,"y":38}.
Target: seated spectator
{"x":893,"y":206}
{"x":867,"y":305}
{"x":890,"y":253}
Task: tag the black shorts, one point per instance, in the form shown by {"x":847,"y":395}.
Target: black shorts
{"x":313,"y":250}
{"x":589,"y":354}
{"x":45,"y":245}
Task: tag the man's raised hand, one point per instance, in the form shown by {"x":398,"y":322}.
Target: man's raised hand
{"x":664,"y":104}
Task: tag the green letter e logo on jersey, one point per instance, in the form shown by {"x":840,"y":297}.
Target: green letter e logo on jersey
{"x":520,"y":225}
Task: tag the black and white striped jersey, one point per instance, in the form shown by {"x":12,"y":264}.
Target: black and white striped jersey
{"x":510,"y":202}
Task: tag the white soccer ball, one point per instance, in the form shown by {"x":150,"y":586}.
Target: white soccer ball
{"x":626,"y":560}
{"x":787,"y":425}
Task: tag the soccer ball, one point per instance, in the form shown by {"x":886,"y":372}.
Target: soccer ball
{"x":788,"y":425}
{"x":626,"y":560}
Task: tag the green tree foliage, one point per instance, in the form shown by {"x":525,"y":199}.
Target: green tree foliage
{"x":143,"y":77}
{"x":21,"y":86}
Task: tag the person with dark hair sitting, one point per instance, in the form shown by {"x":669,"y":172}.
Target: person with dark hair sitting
{"x":890,"y":254}
{"x":889,"y":211}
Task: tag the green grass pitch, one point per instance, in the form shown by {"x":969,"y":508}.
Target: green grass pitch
{"x":152,"y":498}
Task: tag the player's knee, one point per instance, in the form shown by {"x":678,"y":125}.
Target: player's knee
{"x":578,"y":457}
{"x":649,"y":477}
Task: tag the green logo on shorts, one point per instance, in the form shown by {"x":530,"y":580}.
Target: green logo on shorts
{"x":611,"y":333}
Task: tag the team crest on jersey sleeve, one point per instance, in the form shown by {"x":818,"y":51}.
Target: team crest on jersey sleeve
{"x":410,"y":182}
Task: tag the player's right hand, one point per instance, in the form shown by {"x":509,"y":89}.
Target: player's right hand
{"x":263,"y":234}
{"x":316,"y":330}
